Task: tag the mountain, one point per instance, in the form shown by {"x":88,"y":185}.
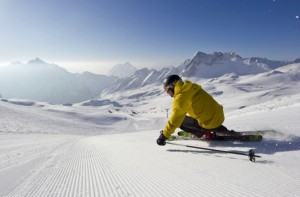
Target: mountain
{"x":140,"y":78}
{"x":95,"y":82}
{"x":122,"y":70}
{"x":297,"y":60}
{"x":273,"y":64}
{"x":217,"y":64}
{"x":202,"y":65}
{"x":38,"y":80}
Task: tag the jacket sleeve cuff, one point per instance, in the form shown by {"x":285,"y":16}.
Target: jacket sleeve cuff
{"x":166,"y":135}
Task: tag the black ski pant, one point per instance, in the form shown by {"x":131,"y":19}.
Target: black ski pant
{"x":191,"y":125}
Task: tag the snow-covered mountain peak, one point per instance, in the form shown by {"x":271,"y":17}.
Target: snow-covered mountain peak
{"x":37,"y":61}
{"x":215,"y":57}
{"x":217,"y":64}
{"x":122,"y":70}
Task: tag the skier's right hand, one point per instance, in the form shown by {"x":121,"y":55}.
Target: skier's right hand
{"x":161,"y":139}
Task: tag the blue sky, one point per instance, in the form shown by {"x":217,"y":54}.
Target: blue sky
{"x":96,"y":34}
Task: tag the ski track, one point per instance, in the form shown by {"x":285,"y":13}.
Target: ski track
{"x":111,"y":165}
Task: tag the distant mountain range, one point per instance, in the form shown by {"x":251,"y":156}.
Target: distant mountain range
{"x":202,"y":65}
{"x":41,"y":81}
{"x":38,"y":80}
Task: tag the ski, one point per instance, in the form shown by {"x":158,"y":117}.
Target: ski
{"x":249,"y":132}
{"x":182,"y":135}
{"x":252,"y":138}
{"x":258,"y":132}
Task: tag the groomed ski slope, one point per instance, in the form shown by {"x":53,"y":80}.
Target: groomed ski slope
{"x":131,"y":164}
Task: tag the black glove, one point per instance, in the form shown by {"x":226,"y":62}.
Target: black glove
{"x":161,"y":140}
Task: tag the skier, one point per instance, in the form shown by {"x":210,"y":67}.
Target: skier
{"x":205,"y":114}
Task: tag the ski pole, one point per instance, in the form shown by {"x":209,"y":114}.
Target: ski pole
{"x":250,"y":154}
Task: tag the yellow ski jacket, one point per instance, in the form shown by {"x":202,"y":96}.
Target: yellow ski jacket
{"x":190,"y":98}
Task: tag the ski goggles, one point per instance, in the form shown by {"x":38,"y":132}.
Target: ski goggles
{"x":168,"y":87}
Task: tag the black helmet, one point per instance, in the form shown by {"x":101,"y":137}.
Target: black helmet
{"x":170,"y":81}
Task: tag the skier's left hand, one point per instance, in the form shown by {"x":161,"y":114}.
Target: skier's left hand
{"x":161,"y":139}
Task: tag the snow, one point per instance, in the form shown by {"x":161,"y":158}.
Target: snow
{"x":122,"y":70}
{"x":107,"y":147}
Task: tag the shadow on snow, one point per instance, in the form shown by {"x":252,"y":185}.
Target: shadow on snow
{"x":267,"y":146}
